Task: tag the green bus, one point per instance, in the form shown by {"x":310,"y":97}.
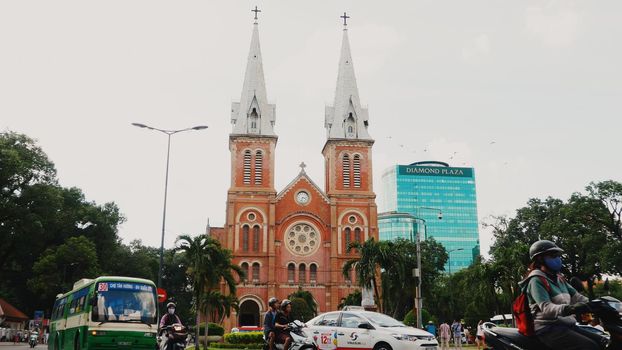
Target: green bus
{"x":108,"y":312}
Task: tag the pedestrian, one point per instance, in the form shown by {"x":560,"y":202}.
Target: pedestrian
{"x":444,"y":333}
{"x":479,"y":335}
{"x":456,"y":332}
{"x":431,"y":328}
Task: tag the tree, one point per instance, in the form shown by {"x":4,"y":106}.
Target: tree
{"x":219,"y":305}
{"x":610,"y":194}
{"x":354,"y":298}
{"x":58,"y":268}
{"x":374,"y":255}
{"x":397,"y":278}
{"x":301,"y":310}
{"x":207,"y":264}
{"x":308,"y":298}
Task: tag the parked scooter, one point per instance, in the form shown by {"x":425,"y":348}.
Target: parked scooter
{"x":300,"y":339}
{"x":608,"y":309}
{"x":179,"y":333}
{"x":33,"y":339}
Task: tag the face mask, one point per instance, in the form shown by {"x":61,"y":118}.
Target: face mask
{"x":171,"y":311}
{"x":554,"y":264}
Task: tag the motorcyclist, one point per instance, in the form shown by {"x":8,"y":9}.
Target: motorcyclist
{"x":283,"y":319}
{"x":269,"y":320}
{"x":553,"y":301}
{"x":170,"y":318}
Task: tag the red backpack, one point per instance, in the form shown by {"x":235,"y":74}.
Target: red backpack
{"x":522,"y":312}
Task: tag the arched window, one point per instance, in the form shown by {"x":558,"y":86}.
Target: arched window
{"x":254,"y":118}
{"x":247,"y":167}
{"x":348,"y":236}
{"x":255,"y":272}
{"x":346,"y":170}
{"x":350,"y":126}
{"x":256,"y":238}
{"x":356,"y":167}
{"x":313,"y":273}
{"x":258,"y":167}
{"x":245,"y":269}
{"x":245,"y":238}
{"x":302,"y":274}
{"x":291,"y":272}
{"x":357,"y":234}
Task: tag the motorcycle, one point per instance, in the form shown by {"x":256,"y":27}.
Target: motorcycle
{"x":608,"y":309}
{"x":179,"y":335}
{"x":33,"y":339}
{"x":300,"y":340}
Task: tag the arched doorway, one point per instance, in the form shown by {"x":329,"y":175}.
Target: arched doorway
{"x":249,"y":313}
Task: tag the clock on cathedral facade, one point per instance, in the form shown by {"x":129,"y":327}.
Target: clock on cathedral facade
{"x":296,"y":237}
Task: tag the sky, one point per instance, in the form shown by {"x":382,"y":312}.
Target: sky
{"x":529,"y":93}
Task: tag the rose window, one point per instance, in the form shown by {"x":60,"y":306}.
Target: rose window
{"x":302,"y":239}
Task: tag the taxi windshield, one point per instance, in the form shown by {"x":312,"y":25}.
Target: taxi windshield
{"x":383,"y":320}
{"x":125,"y":302}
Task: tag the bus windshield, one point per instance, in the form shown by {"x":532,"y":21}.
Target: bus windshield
{"x":125,"y":302}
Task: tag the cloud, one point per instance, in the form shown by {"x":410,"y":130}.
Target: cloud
{"x":552,"y":25}
{"x":476,"y":47}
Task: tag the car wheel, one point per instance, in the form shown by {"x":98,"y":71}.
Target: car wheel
{"x":382,"y":346}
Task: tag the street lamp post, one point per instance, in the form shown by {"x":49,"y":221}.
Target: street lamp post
{"x":169,"y":133}
{"x":449,"y":257}
{"x":418,"y":306}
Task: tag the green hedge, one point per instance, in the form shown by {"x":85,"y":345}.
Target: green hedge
{"x":244,"y":338}
{"x":236,"y":346}
{"x":213,"y":329}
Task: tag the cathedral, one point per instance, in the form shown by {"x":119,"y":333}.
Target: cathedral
{"x":296,"y":237}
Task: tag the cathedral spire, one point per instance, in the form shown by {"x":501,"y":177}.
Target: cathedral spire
{"x":346,"y":118}
{"x":253,"y":115}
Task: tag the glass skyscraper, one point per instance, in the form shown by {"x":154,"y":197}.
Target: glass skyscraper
{"x":425,"y":190}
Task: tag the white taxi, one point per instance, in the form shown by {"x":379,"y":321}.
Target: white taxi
{"x":366,"y":330}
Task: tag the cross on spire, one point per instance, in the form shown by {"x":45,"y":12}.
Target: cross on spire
{"x":345,"y":19}
{"x":256,"y":10}
{"x":302,"y":166}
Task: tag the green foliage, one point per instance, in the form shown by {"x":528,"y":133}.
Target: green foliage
{"x":244,"y":338}
{"x":410,"y":318}
{"x":51,"y":236}
{"x":397,"y":259}
{"x":354,"y":298}
{"x":301,"y":310}
{"x":206,"y":264}
{"x":308,"y":298}
{"x":58,"y":268}
{"x":213,"y":329}
{"x":609,"y":287}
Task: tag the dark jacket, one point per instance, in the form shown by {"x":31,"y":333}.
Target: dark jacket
{"x":268,"y":322}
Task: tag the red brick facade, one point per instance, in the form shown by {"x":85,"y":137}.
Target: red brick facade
{"x":288,"y":240}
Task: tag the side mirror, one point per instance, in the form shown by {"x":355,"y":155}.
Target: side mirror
{"x":365,"y":326}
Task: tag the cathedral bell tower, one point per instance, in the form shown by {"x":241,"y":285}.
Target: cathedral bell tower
{"x":250,"y":198}
{"x":348,"y":166}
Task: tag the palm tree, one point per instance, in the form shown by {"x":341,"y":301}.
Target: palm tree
{"x":373,"y":256}
{"x":207,"y":264}
{"x":219,"y":305}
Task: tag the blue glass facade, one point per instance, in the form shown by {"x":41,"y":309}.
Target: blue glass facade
{"x":422,"y":189}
